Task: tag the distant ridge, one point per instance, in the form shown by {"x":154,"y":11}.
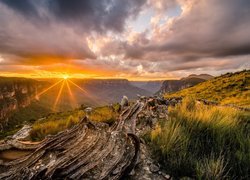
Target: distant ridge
{"x":201,"y":76}
{"x":169,"y":86}
{"x":230,"y":88}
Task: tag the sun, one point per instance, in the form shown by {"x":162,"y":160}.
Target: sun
{"x":65,"y":76}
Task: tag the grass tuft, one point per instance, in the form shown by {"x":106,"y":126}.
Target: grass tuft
{"x":205,"y":142}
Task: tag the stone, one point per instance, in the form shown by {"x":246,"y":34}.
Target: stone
{"x":154,"y":168}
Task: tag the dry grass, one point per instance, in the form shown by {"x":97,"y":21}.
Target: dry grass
{"x":58,"y":122}
{"x":204,"y":142}
{"x":231,"y":88}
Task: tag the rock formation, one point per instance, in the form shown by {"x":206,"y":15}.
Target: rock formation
{"x":90,"y":150}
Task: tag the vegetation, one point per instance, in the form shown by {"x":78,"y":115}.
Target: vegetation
{"x":57,"y":122}
{"x":231,"y":88}
{"x":204,"y":142}
{"x":27,"y":115}
{"x":105,"y":114}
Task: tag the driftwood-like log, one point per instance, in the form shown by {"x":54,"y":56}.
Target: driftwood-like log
{"x":89,"y":150}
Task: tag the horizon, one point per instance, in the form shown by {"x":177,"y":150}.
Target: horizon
{"x":138,"y":40}
{"x":62,"y":76}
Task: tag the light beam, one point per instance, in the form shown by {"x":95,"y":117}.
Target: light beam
{"x":44,"y":91}
{"x":58,"y":96}
{"x":71,"y":95}
{"x":86,"y":93}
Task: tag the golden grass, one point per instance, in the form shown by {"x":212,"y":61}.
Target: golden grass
{"x":231,"y":88}
{"x":205,"y":142}
{"x":58,"y":122}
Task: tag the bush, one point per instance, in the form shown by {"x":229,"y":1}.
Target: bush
{"x":203,"y":141}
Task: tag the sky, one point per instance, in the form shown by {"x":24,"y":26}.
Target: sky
{"x":133,"y":39}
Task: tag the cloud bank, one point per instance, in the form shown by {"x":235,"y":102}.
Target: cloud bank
{"x":183,"y":36}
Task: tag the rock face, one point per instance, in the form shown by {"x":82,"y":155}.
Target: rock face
{"x":177,"y":85}
{"x":15,"y":93}
{"x":169,"y":86}
{"x":88,"y":151}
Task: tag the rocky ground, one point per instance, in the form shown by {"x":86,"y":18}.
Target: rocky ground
{"x":91,"y":150}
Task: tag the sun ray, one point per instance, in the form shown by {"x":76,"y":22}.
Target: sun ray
{"x":86,"y":93}
{"x":58,"y":96}
{"x":44,"y":91}
{"x":78,"y":86}
{"x":71,"y":95}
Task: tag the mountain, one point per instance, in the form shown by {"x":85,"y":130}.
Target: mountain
{"x":169,"y":86}
{"x":230,"y":88}
{"x":151,"y":86}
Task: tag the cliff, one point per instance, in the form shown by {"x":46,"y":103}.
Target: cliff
{"x":15,"y":93}
{"x":170,"y":86}
{"x":176,"y":85}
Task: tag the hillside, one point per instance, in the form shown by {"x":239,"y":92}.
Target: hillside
{"x":230,"y":88}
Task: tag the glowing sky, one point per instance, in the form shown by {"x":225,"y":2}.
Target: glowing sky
{"x":134,"y":39}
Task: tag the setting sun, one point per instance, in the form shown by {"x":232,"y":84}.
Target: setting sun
{"x":65,"y":76}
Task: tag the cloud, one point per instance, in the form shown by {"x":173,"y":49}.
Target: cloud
{"x":50,"y":31}
{"x":93,"y":35}
{"x":205,"y":30}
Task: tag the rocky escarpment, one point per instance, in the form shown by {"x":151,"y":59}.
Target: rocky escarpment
{"x":177,"y":85}
{"x":15,"y":93}
{"x":91,"y":150}
{"x":169,"y":86}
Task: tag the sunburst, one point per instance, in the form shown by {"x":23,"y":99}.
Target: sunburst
{"x":65,"y":85}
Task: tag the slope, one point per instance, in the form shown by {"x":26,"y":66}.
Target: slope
{"x":230,"y":88}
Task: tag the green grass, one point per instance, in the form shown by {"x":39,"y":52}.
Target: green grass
{"x":104,"y":114}
{"x":57,"y":122}
{"x":204,"y":142}
{"x":231,"y":88}
{"x":27,"y":115}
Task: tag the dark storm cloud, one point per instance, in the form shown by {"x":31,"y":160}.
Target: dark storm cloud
{"x":25,"y":7}
{"x":57,"y":29}
{"x":89,"y":14}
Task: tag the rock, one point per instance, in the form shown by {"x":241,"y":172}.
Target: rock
{"x":124,"y":101}
{"x":154,"y":121}
{"x":132,"y":173}
{"x":166,"y":176}
{"x":154,"y":168}
{"x":93,"y":150}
